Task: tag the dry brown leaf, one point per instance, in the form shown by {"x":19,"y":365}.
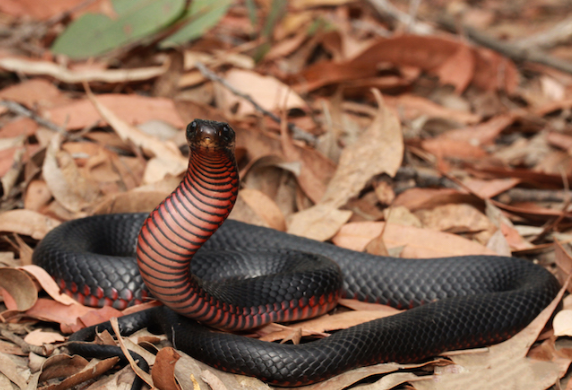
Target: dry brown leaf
{"x":455,"y":218}
{"x":319,"y":222}
{"x":378,"y":150}
{"x":20,"y":287}
{"x":328,"y":322}
{"x":166,"y":154}
{"x":39,"y":337}
{"x":425,"y":52}
{"x":45,"y":68}
{"x":189,"y":374}
{"x":68,"y":186}
{"x":34,"y":93}
{"x":27,"y":223}
{"x":562,"y":323}
{"x":37,"y":195}
{"x":52,"y":311}
{"x":270,"y":93}
{"x":563,"y":261}
{"x":131,"y":202}
{"x":446,"y":147}
{"x":163,"y":372}
{"x":487,"y":189}
{"x":483,"y":133}
{"x":427,"y":243}
{"x":505,"y":365}
{"x":48,"y":284}
{"x":389,"y":381}
{"x":14,"y":369}
{"x":132,"y":109}
{"x":265,"y":207}
{"x":72,"y":375}
{"x":458,"y":70}
{"x":426,"y":198}
{"x":412,"y":107}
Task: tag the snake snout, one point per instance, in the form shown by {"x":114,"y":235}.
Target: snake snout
{"x":206,"y":134}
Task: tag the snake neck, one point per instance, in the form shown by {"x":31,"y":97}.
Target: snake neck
{"x":181,"y":224}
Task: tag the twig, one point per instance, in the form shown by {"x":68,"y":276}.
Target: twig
{"x":22,"y":344}
{"x":385,"y":8}
{"x":511,"y":50}
{"x":297,"y":132}
{"x":21,"y":110}
{"x":561,"y":32}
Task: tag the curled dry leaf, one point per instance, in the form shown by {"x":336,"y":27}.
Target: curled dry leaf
{"x":45,"y":68}
{"x":20,"y":287}
{"x":75,"y":369}
{"x":48,"y":284}
{"x":163,"y":372}
{"x":27,"y":223}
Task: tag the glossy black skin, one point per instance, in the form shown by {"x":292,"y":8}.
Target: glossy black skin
{"x":475,"y":300}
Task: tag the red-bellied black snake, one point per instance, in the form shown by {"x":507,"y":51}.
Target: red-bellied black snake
{"x":457,"y":302}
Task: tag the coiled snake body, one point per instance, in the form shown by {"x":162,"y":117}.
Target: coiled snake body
{"x":459,"y":302}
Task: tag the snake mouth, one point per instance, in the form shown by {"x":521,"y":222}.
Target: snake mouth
{"x":208,"y":135}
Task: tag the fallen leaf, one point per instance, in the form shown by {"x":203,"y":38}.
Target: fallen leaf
{"x":14,"y":368}
{"x":427,"y":243}
{"x":267,"y":91}
{"x":27,"y":223}
{"x":505,"y":365}
{"x":68,"y":186}
{"x":39,"y":337}
{"x":378,"y":150}
{"x":20,"y":287}
{"x":163,"y":371}
{"x":45,"y":68}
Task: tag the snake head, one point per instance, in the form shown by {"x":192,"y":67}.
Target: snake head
{"x":205,"y":134}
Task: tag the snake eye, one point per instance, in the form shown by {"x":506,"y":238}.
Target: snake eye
{"x":191,"y":128}
{"x":226,"y":132}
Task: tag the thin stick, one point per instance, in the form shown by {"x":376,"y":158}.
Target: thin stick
{"x":297,"y":132}
{"x":21,"y":110}
{"x":511,"y":50}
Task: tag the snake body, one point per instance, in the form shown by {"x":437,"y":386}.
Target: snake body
{"x":457,"y":302}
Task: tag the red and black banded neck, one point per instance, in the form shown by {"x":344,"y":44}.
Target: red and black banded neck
{"x":179,"y":226}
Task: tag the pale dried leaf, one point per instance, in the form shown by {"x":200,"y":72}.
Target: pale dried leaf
{"x":320,"y":222}
{"x":427,"y":243}
{"x":27,"y":223}
{"x":267,"y":91}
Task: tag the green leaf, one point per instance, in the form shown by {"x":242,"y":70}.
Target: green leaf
{"x":202,"y":16}
{"x":95,"y":34}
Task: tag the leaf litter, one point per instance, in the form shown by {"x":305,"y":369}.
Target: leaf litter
{"x":348,"y":130}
